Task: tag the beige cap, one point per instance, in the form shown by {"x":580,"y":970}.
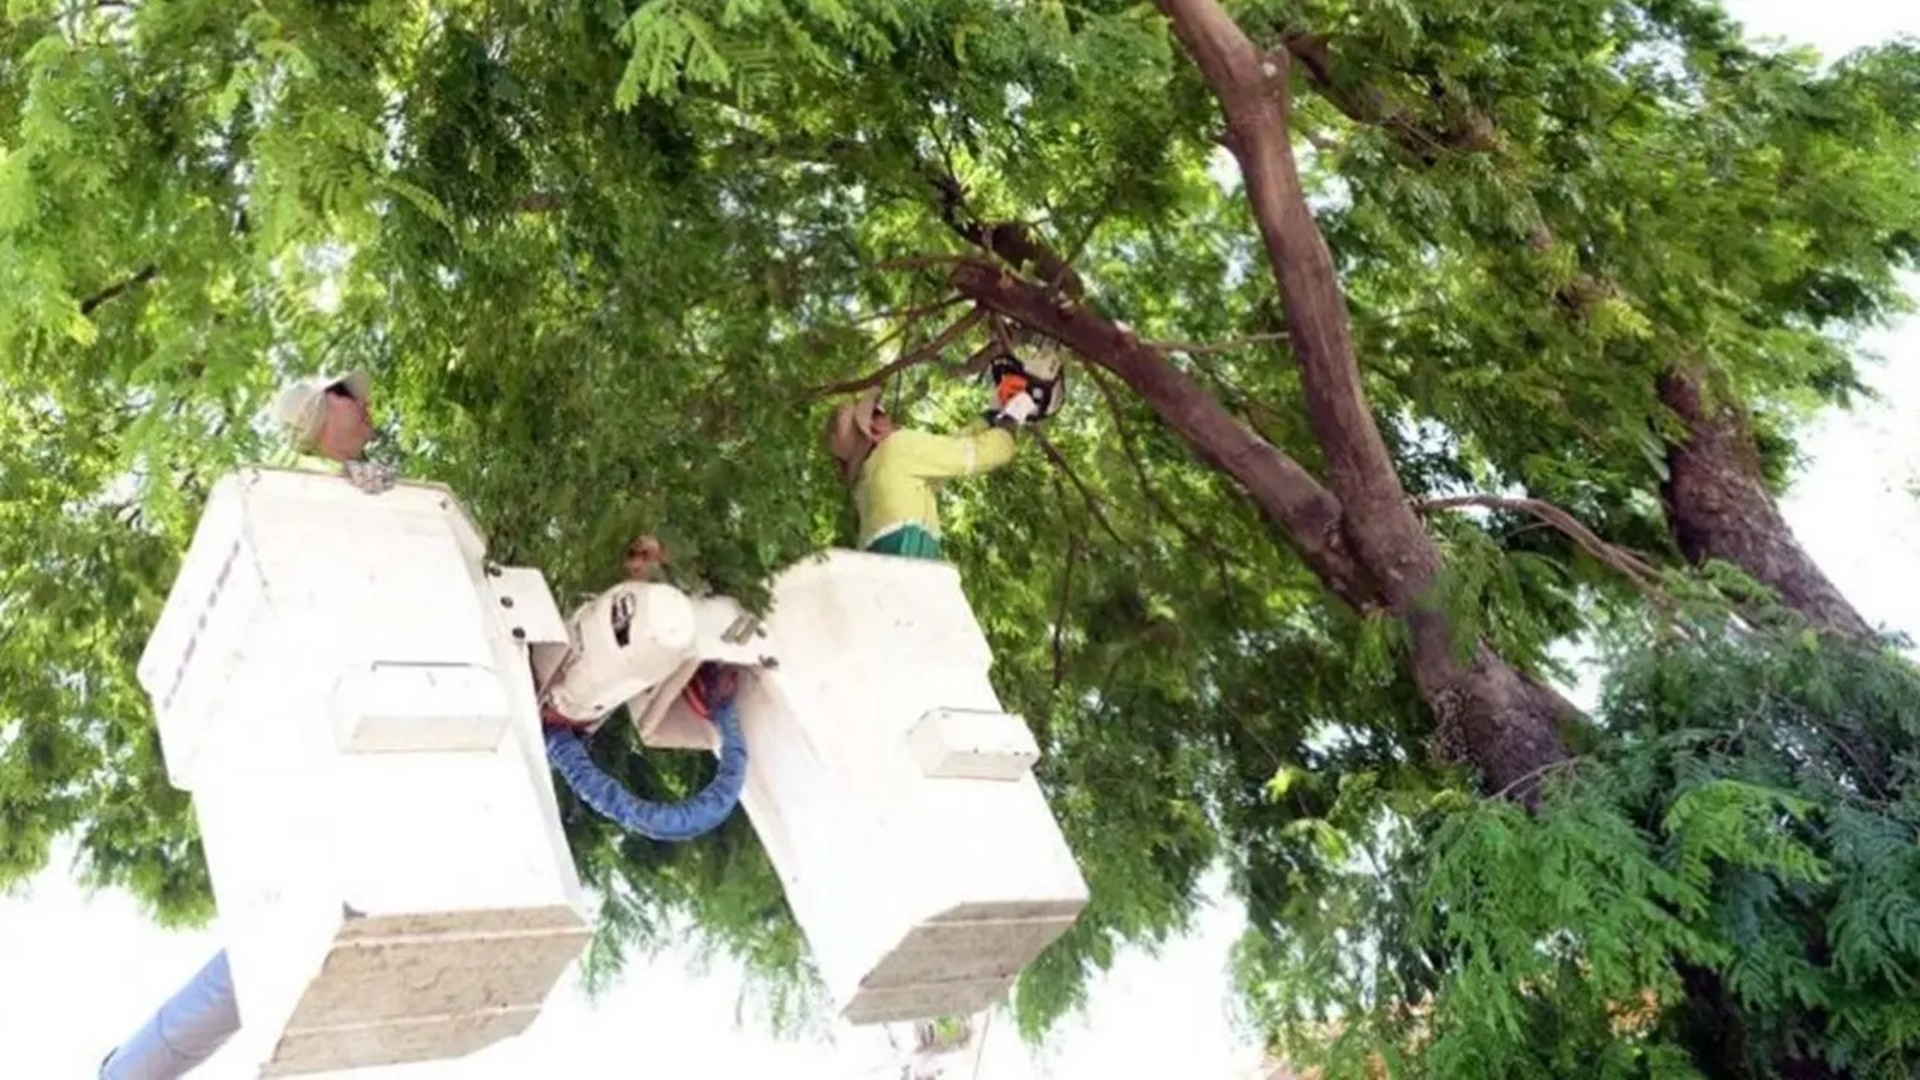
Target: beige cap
{"x":849,"y":434}
{"x":303,"y":405}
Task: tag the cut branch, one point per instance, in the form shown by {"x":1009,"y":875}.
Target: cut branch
{"x":931,"y":350}
{"x":1013,"y":242}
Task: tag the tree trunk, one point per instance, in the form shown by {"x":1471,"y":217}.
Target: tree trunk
{"x":1717,"y":503}
{"x":1719,"y":507}
{"x":1485,"y":711}
{"x":1717,"y":500}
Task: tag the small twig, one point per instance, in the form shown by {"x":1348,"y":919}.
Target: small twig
{"x":917,"y":311}
{"x":1637,"y":569}
{"x":1060,"y":615}
{"x":1093,"y":501}
{"x":1396,"y":316}
{"x":145,"y":274}
{"x":930,"y":261}
{"x":1531,"y":775}
{"x":1079,"y":246}
{"x":1246,"y":398}
{"x":921,"y":355}
{"x":1147,"y":490}
{"x":1200,"y":349}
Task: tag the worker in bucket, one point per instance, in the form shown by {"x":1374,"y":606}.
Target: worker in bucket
{"x":326,"y":419}
{"x":896,"y":472}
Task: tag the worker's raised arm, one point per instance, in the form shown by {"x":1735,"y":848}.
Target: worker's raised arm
{"x":942,"y":457}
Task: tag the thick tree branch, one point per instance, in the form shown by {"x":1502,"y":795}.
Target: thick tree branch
{"x":1252,"y":91}
{"x":1289,"y":495}
{"x":1719,"y":507}
{"x":930,"y":351}
{"x":145,"y":274}
{"x":1487,"y":713}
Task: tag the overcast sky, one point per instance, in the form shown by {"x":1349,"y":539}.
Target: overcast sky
{"x":77,"y":973}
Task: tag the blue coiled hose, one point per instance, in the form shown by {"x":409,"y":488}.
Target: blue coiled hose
{"x":701,"y":813}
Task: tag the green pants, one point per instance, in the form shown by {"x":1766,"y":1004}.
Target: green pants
{"x":908,"y":542}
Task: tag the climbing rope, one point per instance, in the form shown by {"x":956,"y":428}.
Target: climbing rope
{"x":695,"y":816}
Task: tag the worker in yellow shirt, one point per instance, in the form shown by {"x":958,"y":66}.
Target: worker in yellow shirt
{"x":896,"y":472}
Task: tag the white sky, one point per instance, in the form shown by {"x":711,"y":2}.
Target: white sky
{"x":77,"y":974}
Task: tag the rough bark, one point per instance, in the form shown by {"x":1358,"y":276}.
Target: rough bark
{"x":1719,"y":507}
{"x":1485,"y":711}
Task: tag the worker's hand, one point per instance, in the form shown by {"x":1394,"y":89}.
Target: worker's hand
{"x":1016,"y":411}
{"x":370,"y":477}
{"x":723,"y":682}
{"x":1010,"y":385}
{"x":711,"y":687}
{"x":1033,"y":382}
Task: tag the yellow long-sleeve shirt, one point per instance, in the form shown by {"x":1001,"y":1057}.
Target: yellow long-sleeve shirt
{"x":899,"y":480}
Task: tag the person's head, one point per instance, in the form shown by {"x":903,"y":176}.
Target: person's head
{"x":645,"y":556}
{"x":327,"y":415}
{"x":855,"y":429}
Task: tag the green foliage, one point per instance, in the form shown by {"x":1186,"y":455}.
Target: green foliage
{"x":600,"y":256}
{"x":1729,"y":836}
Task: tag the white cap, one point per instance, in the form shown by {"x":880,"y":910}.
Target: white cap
{"x":303,"y":405}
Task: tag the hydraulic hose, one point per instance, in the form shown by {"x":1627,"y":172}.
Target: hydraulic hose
{"x":694,"y":816}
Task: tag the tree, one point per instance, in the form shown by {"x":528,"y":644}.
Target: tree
{"x":1481,"y":269}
